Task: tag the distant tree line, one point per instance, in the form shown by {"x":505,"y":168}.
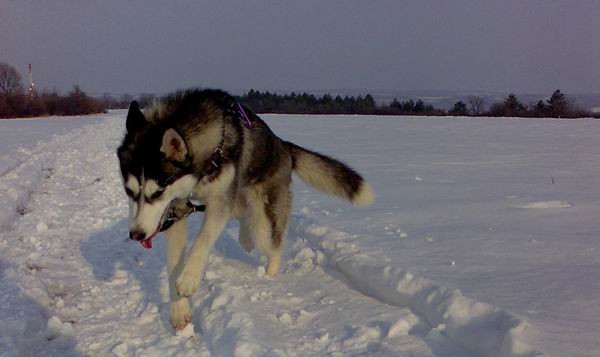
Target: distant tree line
{"x":409,"y":107}
{"x":124,"y":100}
{"x":557,"y":106}
{"x":305,"y":103}
{"x":16,"y":102}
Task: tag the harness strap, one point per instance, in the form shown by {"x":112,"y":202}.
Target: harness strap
{"x":247,"y":120}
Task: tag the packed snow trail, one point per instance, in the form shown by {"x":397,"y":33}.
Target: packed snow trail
{"x":72,"y":284}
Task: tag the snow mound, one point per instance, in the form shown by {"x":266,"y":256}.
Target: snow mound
{"x":226,"y":326}
{"x":480,"y":328}
{"x":16,"y":186}
{"x":21,"y":173}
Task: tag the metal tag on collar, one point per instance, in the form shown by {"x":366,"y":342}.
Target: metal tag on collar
{"x":215,"y":160}
{"x":196,"y":205}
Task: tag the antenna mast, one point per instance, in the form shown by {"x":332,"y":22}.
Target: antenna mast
{"x":31,"y":85}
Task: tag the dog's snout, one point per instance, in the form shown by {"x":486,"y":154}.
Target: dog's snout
{"x":136,"y":235}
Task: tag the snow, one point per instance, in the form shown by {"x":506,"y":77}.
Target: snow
{"x":482,"y":242}
{"x":458,"y":189}
{"x":548,"y":204}
{"x":27,"y":132}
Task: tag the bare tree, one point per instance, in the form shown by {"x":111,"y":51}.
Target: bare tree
{"x":476,"y":104}
{"x":10,"y":80}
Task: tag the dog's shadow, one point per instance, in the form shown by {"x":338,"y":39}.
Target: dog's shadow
{"x":110,"y":253}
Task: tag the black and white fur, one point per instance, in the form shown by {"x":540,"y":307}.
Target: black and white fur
{"x":190,"y":145}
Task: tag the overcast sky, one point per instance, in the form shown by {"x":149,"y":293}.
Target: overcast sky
{"x":525,"y":46}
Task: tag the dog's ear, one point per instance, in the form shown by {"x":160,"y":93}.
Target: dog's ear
{"x":136,"y":121}
{"x":173,"y":145}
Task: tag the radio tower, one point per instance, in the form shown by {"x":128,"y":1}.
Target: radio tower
{"x":31,"y":85}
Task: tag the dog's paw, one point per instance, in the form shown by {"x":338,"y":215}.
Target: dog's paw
{"x":273,"y":266}
{"x":181,"y":314}
{"x":187,"y":284}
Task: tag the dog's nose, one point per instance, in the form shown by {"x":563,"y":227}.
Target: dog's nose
{"x":135,"y":235}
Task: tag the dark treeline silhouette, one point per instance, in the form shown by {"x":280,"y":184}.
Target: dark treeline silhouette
{"x":305,"y":103}
{"x":15,"y":102}
{"x":409,"y":107}
{"x":124,"y":100}
{"x":557,"y":106}
{"x":76,"y":102}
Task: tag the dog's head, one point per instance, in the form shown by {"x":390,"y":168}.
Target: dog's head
{"x":156,"y":169}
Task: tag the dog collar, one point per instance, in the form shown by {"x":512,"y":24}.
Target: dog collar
{"x":215,"y":161}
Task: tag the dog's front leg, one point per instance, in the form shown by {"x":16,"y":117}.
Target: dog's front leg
{"x":181,"y":314}
{"x":215,"y":217}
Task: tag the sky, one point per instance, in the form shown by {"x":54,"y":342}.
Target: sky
{"x":135,"y":46}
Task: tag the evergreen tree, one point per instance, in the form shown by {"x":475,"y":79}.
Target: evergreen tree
{"x":558,"y":105}
{"x":540,"y":109}
{"x":408,"y":106}
{"x":419,"y":106}
{"x":513,"y":106}
{"x":369,"y":104}
{"x":459,"y":109}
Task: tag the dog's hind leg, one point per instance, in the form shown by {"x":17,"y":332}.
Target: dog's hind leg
{"x":278,"y":209}
{"x":261,"y":228}
{"x":271,"y":215}
{"x":176,"y":237}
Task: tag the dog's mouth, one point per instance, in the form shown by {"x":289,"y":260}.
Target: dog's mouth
{"x":164,"y":223}
{"x":147,"y":242}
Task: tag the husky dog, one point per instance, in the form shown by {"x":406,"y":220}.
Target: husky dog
{"x":205,"y":146}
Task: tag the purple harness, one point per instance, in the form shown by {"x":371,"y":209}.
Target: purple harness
{"x":246,"y":120}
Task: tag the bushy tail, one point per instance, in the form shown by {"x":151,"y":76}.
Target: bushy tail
{"x":330,"y":176}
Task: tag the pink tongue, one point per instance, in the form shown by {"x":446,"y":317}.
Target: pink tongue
{"x":147,"y":243}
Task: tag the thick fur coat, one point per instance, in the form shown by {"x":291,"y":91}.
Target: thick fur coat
{"x":197,"y":145}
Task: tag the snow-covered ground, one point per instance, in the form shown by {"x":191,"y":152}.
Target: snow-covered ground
{"x":503,"y":209}
{"x":19,"y":136}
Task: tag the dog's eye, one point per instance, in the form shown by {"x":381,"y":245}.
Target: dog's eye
{"x":156,"y":194}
